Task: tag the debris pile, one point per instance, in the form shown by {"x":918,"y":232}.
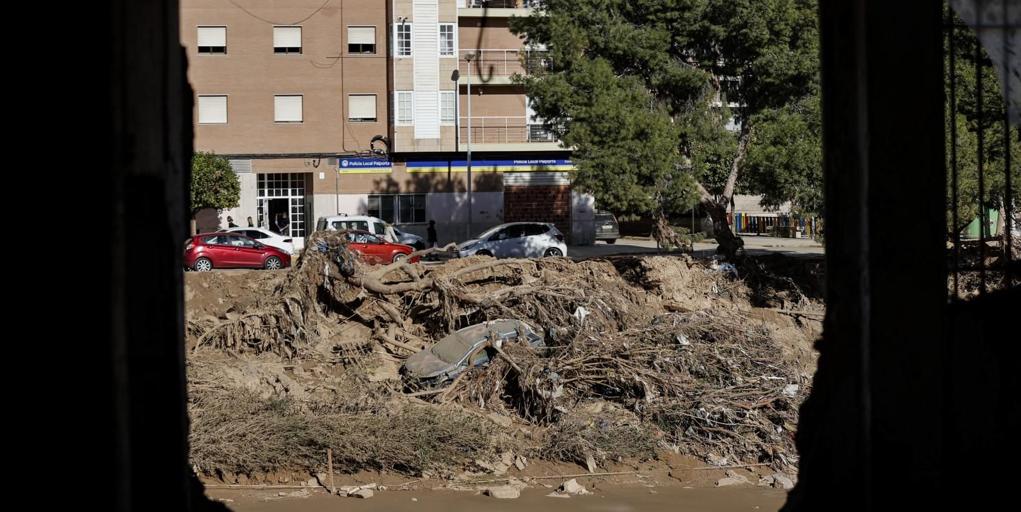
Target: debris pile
{"x":642,"y":355}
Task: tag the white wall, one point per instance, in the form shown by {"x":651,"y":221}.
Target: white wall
{"x":450,"y":212}
{"x":248,"y":205}
{"x":583,"y":219}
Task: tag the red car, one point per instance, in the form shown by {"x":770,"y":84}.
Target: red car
{"x":230,"y":250}
{"x":373,"y":249}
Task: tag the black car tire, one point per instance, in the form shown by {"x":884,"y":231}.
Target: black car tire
{"x":202,"y":265}
{"x":611,"y":241}
{"x":273,"y":263}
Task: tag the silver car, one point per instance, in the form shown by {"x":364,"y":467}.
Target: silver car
{"x":516,"y":240}
{"x":403,"y":237}
{"x":465,"y":348}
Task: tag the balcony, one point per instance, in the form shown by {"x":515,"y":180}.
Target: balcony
{"x":495,"y":8}
{"x":497,"y":67}
{"x":506,"y":133}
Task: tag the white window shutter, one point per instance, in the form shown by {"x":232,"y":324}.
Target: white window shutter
{"x":361,"y":35}
{"x":212,"y":36}
{"x":212,"y":109}
{"x":287,"y":109}
{"x":361,"y":106}
{"x":287,"y":37}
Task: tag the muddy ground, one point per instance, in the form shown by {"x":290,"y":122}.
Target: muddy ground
{"x":678,"y":371}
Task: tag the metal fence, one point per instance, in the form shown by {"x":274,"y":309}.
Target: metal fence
{"x":982,"y":137}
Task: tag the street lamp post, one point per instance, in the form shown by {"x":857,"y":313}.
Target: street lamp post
{"x":468,"y":59}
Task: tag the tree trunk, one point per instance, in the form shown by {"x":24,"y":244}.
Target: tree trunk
{"x":729,"y":242}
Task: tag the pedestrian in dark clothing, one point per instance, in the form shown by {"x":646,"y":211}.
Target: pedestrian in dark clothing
{"x":431,"y":233}
{"x":230,"y":222}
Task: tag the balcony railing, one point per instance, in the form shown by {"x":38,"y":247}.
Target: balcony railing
{"x":504,"y":130}
{"x":502,"y":63}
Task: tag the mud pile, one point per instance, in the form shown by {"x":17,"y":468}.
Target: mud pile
{"x":647,"y":355}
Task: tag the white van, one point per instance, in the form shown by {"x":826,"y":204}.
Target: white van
{"x":373,"y":225}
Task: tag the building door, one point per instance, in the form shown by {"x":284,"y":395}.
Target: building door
{"x":282,"y":203}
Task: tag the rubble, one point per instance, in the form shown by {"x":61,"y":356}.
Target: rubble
{"x":503,"y":492}
{"x":643,"y":353}
{"x":783,"y":481}
{"x":572,"y":487}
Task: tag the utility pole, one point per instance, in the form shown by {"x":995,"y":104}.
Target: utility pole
{"x":468,"y":58}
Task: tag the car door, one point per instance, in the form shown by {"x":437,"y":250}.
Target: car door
{"x":356,"y":244}
{"x":534,"y":240}
{"x":514,"y":245}
{"x":377,"y":249}
{"x":495,"y":242}
{"x":218,"y":251}
{"x":248,"y":255}
{"x":227,"y":250}
{"x":366,"y":245}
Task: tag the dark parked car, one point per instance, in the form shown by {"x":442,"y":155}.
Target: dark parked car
{"x":207,"y":251}
{"x":471,"y":346}
{"x":606,"y":227}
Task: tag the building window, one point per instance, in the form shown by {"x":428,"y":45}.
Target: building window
{"x":361,"y":40}
{"x":405,"y":107}
{"x":286,"y":39}
{"x":398,"y":208}
{"x":361,"y":107}
{"x":287,"y":108}
{"x":403,"y":37}
{"x":411,"y":208}
{"x":447,"y":44}
{"x":212,"y":109}
{"x":212,"y":40}
{"x":448,"y":109}
{"x":382,"y":207}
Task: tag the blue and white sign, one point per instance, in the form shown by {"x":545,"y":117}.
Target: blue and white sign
{"x":364,"y":165}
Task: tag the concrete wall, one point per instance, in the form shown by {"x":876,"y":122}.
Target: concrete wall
{"x":488,"y":33}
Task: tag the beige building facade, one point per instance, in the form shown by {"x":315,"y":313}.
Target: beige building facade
{"x":362,"y":107}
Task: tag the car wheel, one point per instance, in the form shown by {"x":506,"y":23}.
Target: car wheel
{"x":611,"y":241}
{"x":203,"y":265}
{"x":553,"y":252}
{"x":273,"y":263}
{"x":398,"y":257}
{"x":484,"y":253}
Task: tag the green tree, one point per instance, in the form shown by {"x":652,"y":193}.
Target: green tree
{"x":641,"y":88}
{"x":784,"y":160}
{"x":214,"y":184}
{"x":966,"y":120}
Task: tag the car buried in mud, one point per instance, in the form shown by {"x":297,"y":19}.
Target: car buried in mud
{"x":475,"y":345}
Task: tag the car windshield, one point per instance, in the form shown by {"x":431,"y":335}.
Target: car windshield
{"x":454,"y":347}
{"x":489,"y":232}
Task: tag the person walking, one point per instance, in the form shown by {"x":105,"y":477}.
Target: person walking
{"x":431,"y":233}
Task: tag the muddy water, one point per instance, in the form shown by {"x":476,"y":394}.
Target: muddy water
{"x":673,"y":499}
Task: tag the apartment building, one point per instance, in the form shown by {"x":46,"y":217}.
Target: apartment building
{"x":282,"y":88}
{"x":294,"y":93}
